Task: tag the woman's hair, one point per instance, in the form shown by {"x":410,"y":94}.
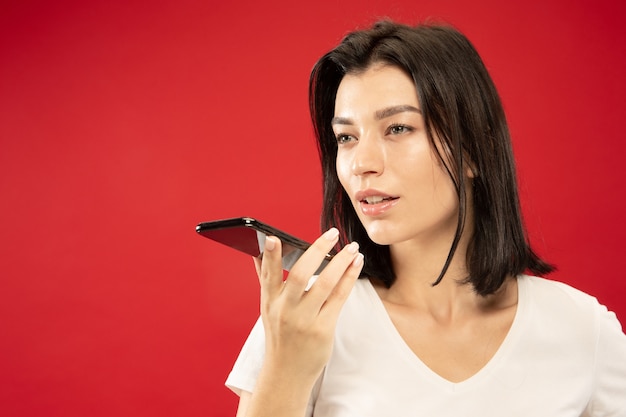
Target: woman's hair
{"x":462,"y":109}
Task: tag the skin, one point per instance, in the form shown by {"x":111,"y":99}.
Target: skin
{"x":383,"y":146}
{"x":299,"y":325}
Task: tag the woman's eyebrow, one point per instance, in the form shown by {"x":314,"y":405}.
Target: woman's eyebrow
{"x":379,"y":114}
{"x":390,"y":111}
{"x":341,"y":121}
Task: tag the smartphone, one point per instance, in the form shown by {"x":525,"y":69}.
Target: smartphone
{"x":248,"y":235}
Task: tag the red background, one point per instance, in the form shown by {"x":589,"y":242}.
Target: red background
{"x":125,"y":123}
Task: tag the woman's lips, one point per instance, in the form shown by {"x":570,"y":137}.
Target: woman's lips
{"x":376,"y":199}
{"x":374,"y":203}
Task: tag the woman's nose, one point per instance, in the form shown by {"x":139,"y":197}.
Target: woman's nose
{"x":368,"y":157}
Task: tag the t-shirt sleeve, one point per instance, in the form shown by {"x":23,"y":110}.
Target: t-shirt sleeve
{"x":246,"y":370}
{"x":609,"y":393}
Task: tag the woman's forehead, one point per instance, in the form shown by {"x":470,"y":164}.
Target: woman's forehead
{"x":378,"y":87}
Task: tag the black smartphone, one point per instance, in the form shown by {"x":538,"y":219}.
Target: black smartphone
{"x":248,"y":235}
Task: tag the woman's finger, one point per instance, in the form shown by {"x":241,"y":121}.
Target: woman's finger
{"x":308,"y":264}
{"x":271,"y":268}
{"x":343,"y":263}
{"x":343,"y":288}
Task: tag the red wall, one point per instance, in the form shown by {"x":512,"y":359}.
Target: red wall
{"x":123,"y":125}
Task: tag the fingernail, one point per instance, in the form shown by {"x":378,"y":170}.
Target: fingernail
{"x":353,"y":247}
{"x":331,"y":234}
{"x":358,"y":261}
{"x":270,"y":243}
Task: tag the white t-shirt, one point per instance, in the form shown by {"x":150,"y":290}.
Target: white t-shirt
{"x":565,"y":355}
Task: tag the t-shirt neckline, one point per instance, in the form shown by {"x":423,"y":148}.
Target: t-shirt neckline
{"x":400,"y":347}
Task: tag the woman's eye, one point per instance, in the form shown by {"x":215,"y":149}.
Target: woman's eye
{"x":399,"y":129}
{"x":341,"y":138}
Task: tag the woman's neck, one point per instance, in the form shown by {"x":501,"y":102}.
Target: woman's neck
{"x":417,"y":266}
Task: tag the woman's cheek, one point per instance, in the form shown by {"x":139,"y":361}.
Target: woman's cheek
{"x":343,"y":172}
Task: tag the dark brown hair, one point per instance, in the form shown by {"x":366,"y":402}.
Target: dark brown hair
{"x":462,"y":108}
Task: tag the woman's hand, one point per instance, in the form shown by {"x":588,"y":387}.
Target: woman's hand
{"x":299,"y":325}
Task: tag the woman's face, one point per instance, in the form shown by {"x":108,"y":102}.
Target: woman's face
{"x":396,"y":183}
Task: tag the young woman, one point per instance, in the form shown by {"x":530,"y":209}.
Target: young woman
{"x":420,"y":194}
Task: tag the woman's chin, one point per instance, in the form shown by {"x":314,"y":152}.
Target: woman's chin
{"x":380,"y":237}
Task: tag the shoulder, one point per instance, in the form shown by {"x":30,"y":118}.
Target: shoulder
{"x":574,"y":335}
{"x":560,"y":304}
{"x":557,"y":294}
